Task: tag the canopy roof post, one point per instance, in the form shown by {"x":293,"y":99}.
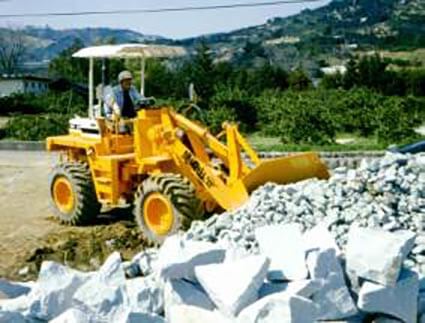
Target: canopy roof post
{"x":91,"y":98}
{"x":142,"y":76}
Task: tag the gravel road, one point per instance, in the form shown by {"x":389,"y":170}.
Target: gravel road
{"x":24,"y":211}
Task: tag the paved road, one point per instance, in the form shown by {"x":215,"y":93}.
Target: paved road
{"x":24,"y":212}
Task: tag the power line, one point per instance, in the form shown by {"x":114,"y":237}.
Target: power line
{"x":158,"y":10}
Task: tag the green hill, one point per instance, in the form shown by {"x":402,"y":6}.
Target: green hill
{"x":325,"y":35}
{"x":311,"y":39}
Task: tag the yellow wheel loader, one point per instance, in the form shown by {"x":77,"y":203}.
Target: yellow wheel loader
{"x":171,"y":168}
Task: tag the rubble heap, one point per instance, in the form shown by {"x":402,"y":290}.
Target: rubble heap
{"x":387,"y":193}
{"x":350,"y":249}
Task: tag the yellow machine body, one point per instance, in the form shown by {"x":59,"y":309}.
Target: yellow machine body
{"x":224,"y":169}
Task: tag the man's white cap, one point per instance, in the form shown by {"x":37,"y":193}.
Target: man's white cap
{"x":124,"y":75}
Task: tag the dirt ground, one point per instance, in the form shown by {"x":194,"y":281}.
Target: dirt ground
{"x":29,"y":233}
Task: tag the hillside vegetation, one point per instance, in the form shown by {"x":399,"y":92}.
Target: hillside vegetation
{"x":325,"y":35}
{"x":311,"y":39}
{"x":267,"y":78}
{"x":369,"y":101}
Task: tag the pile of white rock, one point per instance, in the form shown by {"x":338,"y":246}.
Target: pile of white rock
{"x":387,"y":193}
{"x":350,"y":249}
{"x":295,"y":277}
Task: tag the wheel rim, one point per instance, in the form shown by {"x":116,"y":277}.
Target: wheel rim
{"x":158,"y":213}
{"x":63,"y":195}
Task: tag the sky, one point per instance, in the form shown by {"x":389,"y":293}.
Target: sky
{"x":175,"y":25}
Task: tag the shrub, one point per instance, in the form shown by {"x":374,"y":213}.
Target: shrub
{"x":314,"y":117}
{"x":372,"y":73}
{"x":296,"y":117}
{"x":239,"y":105}
{"x":50,"y":102}
{"x":39,"y":127}
{"x":19,"y":103}
{"x":218,"y":115}
{"x":396,"y":121}
{"x":299,"y":81}
{"x":355,"y":110}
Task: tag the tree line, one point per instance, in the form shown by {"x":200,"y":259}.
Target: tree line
{"x":370,"y":99}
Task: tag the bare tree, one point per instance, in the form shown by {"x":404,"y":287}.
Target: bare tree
{"x":12,"y":50}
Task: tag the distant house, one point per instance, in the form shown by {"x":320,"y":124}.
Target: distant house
{"x":332,"y":70}
{"x":29,"y":84}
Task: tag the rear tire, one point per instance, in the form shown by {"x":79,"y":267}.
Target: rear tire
{"x":72,"y":195}
{"x":183,"y":205}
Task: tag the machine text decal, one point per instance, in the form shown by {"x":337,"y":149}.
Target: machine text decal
{"x":197,"y":167}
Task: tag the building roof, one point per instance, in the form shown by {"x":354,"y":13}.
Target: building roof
{"x":130,"y":51}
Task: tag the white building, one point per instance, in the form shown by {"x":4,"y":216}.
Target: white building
{"x":332,"y":70}
{"x":10,"y":84}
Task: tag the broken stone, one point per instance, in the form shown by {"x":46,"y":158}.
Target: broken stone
{"x":18,"y":304}
{"x":386,"y":319}
{"x":104,"y":296}
{"x":193,"y":314}
{"x":145,"y":294}
{"x":319,"y":237}
{"x":14,"y":317}
{"x":283,"y":245}
{"x":353,"y":319}
{"x":304,"y":288}
{"x":178,"y":258}
{"x":111,"y":272}
{"x":106,"y":303}
{"x":55,"y":288}
{"x":181,"y":292}
{"x":233,"y":252}
{"x":399,"y":301}
{"x":279,"y":308}
{"x":338,"y":202}
{"x":72,"y":315}
{"x":140,"y":317}
{"x":333,"y":298}
{"x":131,"y":269}
{"x":422,"y":282}
{"x":233,"y":286}
{"x":421,"y":303}
{"x":146,"y":261}
{"x":377,"y":255}
{"x":12,"y":289}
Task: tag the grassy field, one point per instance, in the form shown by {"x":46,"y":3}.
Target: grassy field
{"x":344,"y":142}
{"x":415,"y":57}
{"x":351,"y":143}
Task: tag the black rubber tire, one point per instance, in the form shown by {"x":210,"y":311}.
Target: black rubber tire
{"x":182,"y":196}
{"x":86,"y":206}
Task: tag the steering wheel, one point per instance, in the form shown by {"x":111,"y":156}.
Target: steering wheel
{"x":145,"y":103}
{"x":194,"y":106}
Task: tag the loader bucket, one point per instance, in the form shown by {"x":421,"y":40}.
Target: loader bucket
{"x":286,"y":170}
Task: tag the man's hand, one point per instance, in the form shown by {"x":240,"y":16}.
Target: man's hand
{"x":116,"y":112}
{"x":115,"y":116}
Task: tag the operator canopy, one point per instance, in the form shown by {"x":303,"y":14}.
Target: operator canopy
{"x":130,"y":51}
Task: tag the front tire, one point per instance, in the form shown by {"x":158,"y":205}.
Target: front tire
{"x":72,"y":194}
{"x":165,"y":204}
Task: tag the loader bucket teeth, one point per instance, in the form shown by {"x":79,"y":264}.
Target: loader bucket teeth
{"x":286,"y":170}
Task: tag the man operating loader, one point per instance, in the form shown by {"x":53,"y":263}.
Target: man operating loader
{"x":123,"y":99}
